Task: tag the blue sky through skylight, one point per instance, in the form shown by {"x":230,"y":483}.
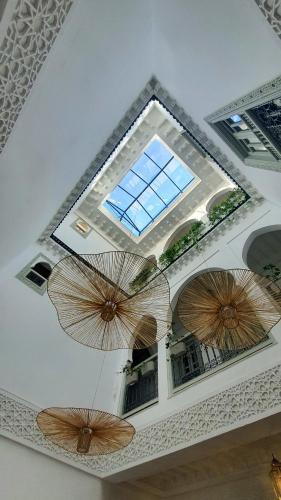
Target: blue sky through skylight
{"x":155,"y":180}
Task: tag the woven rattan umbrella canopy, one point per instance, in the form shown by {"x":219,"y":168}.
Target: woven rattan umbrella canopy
{"x":97,"y":305}
{"x":85,"y":431}
{"x":230,"y":309}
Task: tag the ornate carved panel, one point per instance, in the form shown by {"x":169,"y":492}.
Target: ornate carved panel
{"x":30,"y":35}
{"x":247,"y":401}
{"x":271,"y":9}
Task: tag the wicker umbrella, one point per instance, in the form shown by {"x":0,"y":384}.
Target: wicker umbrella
{"x":97,"y":305}
{"x":85,"y":431}
{"x":229,"y":309}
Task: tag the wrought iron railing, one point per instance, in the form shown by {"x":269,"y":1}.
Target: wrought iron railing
{"x":191,"y":359}
{"x":142,"y":387}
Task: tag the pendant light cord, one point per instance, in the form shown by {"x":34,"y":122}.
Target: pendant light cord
{"x":98,"y":380}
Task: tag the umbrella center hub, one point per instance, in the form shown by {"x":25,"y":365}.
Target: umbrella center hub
{"x":84,"y":439}
{"x":109,"y":310}
{"x":229,"y":316}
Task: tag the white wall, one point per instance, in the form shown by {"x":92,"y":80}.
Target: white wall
{"x":29,"y":475}
{"x":41,"y":363}
{"x":226,"y":253}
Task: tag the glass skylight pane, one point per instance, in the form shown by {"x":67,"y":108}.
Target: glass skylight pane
{"x":130,"y":226}
{"x":121,"y":199}
{"x":138,"y":216}
{"x":236,"y":118}
{"x":132,"y":183}
{"x":165,"y":188}
{"x":145,"y":168}
{"x":178,"y":174}
{"x":158,"y":153}
{"x":151,"y":202}
{"x":114,"y":211}
{"x":148,"y":188}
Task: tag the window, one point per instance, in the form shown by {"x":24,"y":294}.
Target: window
{"x":251,"y":126}
{"x":36,"y":274}
{"x":155,"y":180}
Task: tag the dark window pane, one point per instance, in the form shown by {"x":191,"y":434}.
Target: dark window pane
{"x":35,"y":278}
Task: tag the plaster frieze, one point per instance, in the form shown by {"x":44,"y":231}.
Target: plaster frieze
{"x":31,"y":32}
{"x":234,"y":407}
{"x":272,"y":12}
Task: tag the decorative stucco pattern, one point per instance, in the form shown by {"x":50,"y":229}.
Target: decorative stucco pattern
{"x":268,"y":91}
{"x":247,"y":401}
{"x":31,"y":33}
{"x":271,"y":9}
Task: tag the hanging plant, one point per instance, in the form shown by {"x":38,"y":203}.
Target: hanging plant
{"x":273,"y":272}
{"x":228,"y":205}
{"x":128,"y":368}
{"x":141,"y":279}
{"x":188,"y":240}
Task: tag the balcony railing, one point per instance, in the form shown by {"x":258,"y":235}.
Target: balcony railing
{"x":190,"y":359}
{"x":142,"y":385}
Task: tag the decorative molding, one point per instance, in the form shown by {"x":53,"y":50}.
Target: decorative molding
{"x":271,"y":9}
{"x":245,"y":402}
{"x":31,"y":33}
{"x":267,"y":92}
{"x":193,"y":132}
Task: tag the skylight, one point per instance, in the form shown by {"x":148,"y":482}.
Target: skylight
{"x":155,"y":180}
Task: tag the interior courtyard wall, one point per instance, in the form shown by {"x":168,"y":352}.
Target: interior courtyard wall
{"x":226,"y":252}
{"x":57,"y":370}
{"x":29,"y":475}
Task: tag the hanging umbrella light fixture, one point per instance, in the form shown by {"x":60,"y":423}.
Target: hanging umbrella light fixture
{"x":229,"y":310}
{"x":97,"y":306}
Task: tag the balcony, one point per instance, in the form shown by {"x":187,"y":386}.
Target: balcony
{"x":191,"y":360}
{"x":141,"y":386}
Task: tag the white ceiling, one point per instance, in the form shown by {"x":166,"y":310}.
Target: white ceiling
{"x":205,"y":53}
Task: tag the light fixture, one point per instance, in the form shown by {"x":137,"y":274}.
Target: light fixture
{"x":97,"y":306}
{"x":85,"y":431}
{"x":229,"y":309}
{"x":275,"y":476}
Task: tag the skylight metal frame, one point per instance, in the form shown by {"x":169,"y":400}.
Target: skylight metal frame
{"x":122,"y":214}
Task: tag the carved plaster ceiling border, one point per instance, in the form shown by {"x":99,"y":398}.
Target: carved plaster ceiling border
{"x":270,"y":90}
{"x":271,"y":9}
{"x":153,"y":89}
{"x":30,"y":35}
{"x":234,"y":407}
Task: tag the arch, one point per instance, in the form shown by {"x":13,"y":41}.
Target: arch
{"x":152,"y":259}
{"x":218,"y":198}
{"x":43,"y":269}
{"x":179,"y":232}
{"x":147,"y":327}
{"x":248,"y":246}
{"x":188,"y":279}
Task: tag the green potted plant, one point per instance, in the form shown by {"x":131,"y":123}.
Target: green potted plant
{"x":132,"y":376}
{"x":228,"y":205}
{"x":189,"y":239}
